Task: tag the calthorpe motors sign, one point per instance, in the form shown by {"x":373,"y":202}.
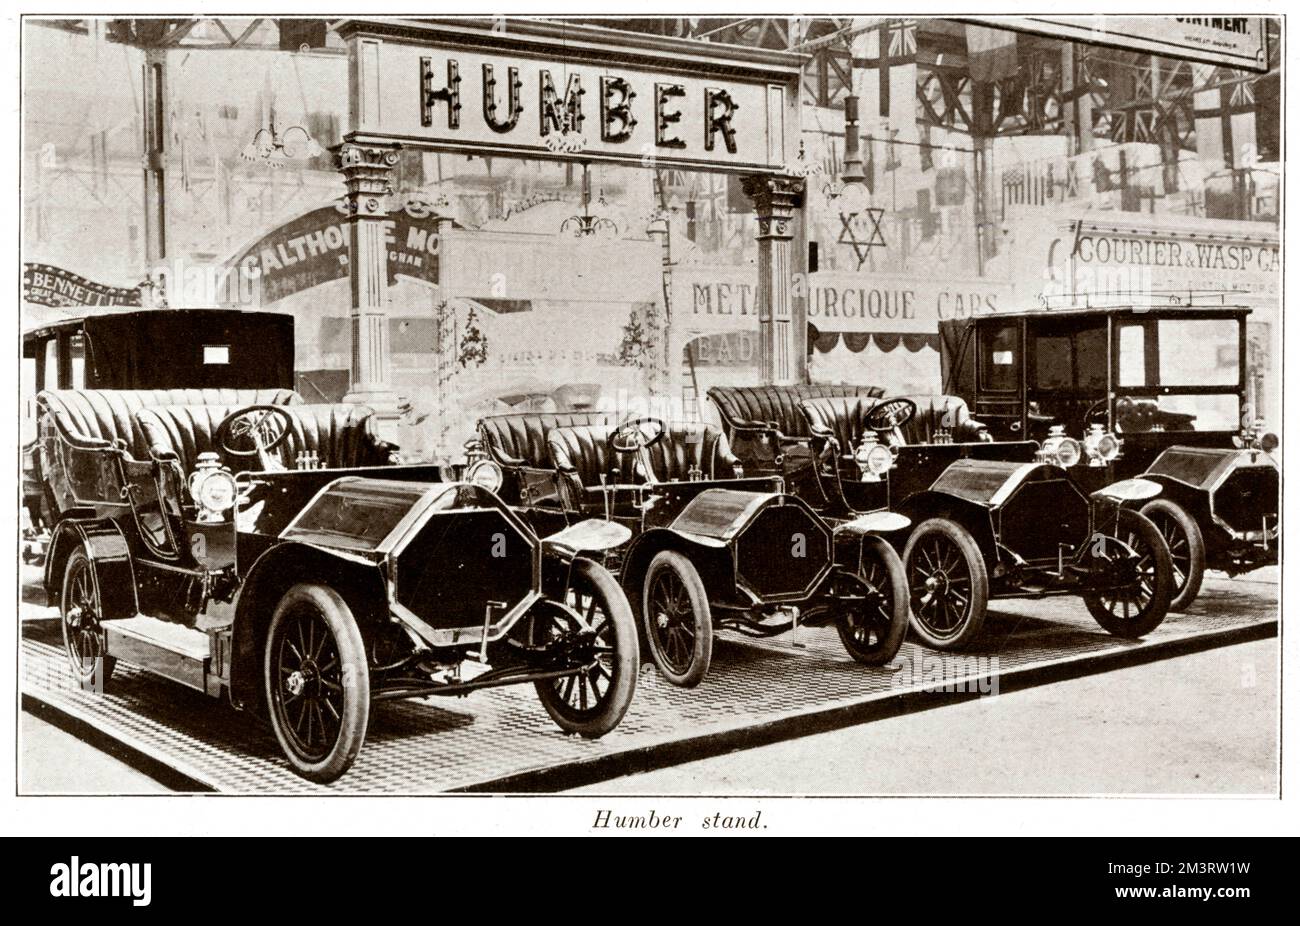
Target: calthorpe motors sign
{"x":313,"y":249}
{"x":1233,"y":41}
{"x":534,"y":88}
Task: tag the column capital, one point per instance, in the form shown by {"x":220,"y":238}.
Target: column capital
{"x":367,"y":174}
{"x":775,"y":199}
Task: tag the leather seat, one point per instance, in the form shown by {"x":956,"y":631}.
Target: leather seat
{"x":581,"y":455}
{"x":840,"y":417}
{"x":99,"y":417}
{"x":520,"y":439}
{"x":844,"y":419}
{"x":775,"y":407}
{"x":342,"y":436}
{"x":942,"y":412}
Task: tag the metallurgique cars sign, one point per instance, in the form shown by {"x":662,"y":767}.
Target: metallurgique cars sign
{"x":520,"y":90}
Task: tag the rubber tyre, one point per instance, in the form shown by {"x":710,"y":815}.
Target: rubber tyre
{"x":92,"y":668}
{"x":620,"y":662}
{"x":683,"y":657}
{"x":318,"y":607}
{"x":1186,"y":549}
{"x":883,"y":568}
{"x":963,"y":553}
{"x":1147,"y":535}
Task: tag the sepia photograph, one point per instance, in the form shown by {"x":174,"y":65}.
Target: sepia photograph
{"x":603,"y":406}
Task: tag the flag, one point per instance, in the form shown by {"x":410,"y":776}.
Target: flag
{"x":990,"y":54}
{"x":1225,"y":125}
{"x":885,"y":56}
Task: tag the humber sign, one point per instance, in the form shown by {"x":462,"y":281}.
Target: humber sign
{"x":520,"y":87}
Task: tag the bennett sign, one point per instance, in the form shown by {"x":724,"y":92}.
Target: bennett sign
{"x":523,"y":90}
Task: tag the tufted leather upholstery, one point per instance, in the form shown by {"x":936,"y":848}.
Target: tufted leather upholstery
{"x":775,"y":407}
{"x":342,"y":436}
{"x":98,"y":417}
{"x":840,"y":416}
{"x":938,"y":412}
{"x":582,"y":454}
{"x":520,"y":439}
{"x":843,"y":418}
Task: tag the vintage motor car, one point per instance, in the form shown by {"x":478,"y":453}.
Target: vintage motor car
{"x":988,"y":519}
{"x":1160,"y":392}
{"x":151,"y":351}
{"x":711,"y":547}
{"x":767,"y":431}
{"x":253,"y":546}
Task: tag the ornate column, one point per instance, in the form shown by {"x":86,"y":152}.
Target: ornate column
{"x":367,"y":170}
{"x":781,"y":334}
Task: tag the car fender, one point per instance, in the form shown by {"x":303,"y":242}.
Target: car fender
{"x":110,"y":562}
{"x":973,"y":516}
{"x":1128,"y":491}
{"x":711,"y":558}
{"x":359,"y":581}
{"x":875,"y":522}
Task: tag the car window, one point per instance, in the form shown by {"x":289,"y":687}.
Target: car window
{"x":1132,"y":355}
{"x":1053,"y":366}
{"x":1199,"y":352}
{"x":1000,"y":359}
{"x":78,"y":361}
{"x":1070,"y":359}
{"x":51,"y":379}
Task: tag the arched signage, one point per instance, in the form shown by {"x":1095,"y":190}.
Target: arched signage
{"x":313,"y":249}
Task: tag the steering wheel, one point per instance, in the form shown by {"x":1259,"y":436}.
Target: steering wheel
{"x":890,"y":414}
{"x":637,"y":434}
{"x":253,"y":430}
{"x":1099,"y":405}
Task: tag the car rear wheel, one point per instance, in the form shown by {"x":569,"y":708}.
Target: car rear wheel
{"x":592,"y":701}
{"x":678,"y":620}
{"x":317,"y":682}
{"x":948,"y":583}
{"x":1139,"y":573}
{"x":873,"y":630}
{"x":1186,"y":549}
{"x":81,"y":616}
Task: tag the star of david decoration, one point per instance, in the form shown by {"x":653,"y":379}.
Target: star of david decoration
{"x":853,"y":227}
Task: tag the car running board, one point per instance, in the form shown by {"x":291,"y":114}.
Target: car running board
{"x":173,"y":651}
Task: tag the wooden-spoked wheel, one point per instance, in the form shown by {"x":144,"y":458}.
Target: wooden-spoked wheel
{"x":948,"y":583}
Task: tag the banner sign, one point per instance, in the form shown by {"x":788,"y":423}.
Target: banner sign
{"x":313,"y":249}
{"x":44,"y":284}
{"x":453,"y":87}
{"x":1230,"y":41}
{"x":710,"y":299}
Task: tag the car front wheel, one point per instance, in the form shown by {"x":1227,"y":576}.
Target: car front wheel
{"x":872,"y":630}
{"x":82,"y":616}
{"x":1133,"y":565}
{"x":592,"y":700}
{"x":678,"y":620}
{"x":948,"y":583}
{"x":317,"y":682}
{"x":1186,"y":549}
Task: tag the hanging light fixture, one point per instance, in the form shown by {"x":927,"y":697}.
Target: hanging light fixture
{"x":588,"y":225}
{"x":274,"y":149}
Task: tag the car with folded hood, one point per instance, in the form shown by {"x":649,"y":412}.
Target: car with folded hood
{"x":256,"y":547}
{"x":711,"y":547}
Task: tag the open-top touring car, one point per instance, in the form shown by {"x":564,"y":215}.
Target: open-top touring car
{"x":711,"y":546}
{"x":250,"y":545}
{"x":1160,"y":392}
{"x":984,"y":519}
